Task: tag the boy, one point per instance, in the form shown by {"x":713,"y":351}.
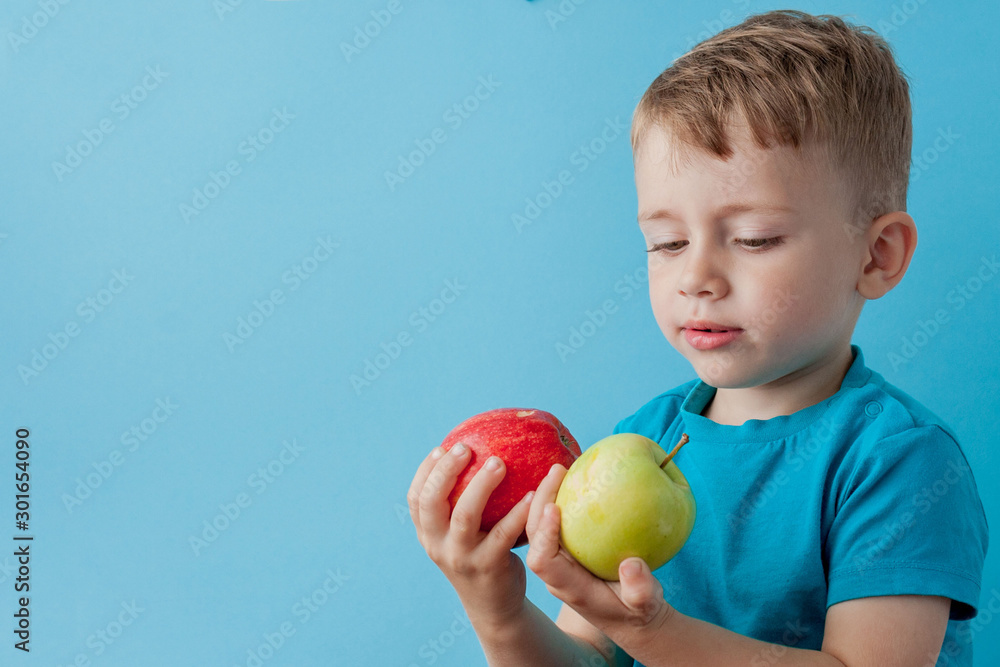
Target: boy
{"x":838,"y":521}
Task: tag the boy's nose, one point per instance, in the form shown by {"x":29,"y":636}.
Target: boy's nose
{"x":701,"y":277}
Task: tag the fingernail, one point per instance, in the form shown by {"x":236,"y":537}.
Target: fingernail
{"x":437,"y":453}
{"x":553,"y":468}
{"x":458,"y":449}
{"x":631,"y":568}
{"x":493,"y":463}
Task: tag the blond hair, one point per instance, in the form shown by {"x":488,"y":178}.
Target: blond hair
{"x":794,"y":79}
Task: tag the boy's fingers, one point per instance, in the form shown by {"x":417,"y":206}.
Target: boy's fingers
{"x":545,"y":558}
{"x":563,"y":575}
{"x":468,"y":513}
{"x":507,"y":530}
{"x":413,"y":494}
{"x":432,"y":502}
{"x":545,"y":494}
{"x":545,"y":538}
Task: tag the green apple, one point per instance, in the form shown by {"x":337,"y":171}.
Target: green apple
{"x":624,"y":497}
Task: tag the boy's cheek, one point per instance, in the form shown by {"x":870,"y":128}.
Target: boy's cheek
{"x":661,"y":315}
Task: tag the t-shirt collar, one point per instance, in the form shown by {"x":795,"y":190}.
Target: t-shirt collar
{"x":762,"y":430}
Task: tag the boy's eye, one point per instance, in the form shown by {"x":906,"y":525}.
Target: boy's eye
{"x":760,"y":243}
{"x":671,"y":246}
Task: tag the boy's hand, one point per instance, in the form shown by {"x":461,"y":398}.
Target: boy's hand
{"x":627,"y":611}
{"x":488,"y":577}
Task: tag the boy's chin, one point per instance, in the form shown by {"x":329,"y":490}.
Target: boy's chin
{"x":723,"y":369}
{"x":724,"y":374}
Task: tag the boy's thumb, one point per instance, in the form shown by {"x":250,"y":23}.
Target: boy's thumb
{"x":640,"y":591}
{"x":632,"y":568}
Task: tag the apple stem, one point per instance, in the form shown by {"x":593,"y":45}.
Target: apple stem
{"x":677,"y":448}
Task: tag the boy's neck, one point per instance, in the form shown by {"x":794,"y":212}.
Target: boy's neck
{"x":787,"y":395}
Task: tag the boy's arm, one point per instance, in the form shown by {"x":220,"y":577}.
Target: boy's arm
{"x":903,"y":630}
{"x":885,"y":631}
{"x":889,"y":630}
{"x":534,"y":639}
{"x":577,"y":626}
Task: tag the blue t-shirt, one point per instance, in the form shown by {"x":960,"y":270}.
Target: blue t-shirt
{"x":865,"y":493}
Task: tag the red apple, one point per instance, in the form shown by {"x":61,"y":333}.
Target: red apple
{"x":529,"y":442}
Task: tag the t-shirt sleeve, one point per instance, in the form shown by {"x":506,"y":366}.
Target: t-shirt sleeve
{"x":909,"y":520}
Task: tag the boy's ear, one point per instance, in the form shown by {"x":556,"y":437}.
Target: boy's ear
{"x":889,"y":245}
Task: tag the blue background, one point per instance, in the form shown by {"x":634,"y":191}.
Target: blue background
{"x":338,"y":505}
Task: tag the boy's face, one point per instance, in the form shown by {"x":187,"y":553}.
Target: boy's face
{"x":783,"y":282}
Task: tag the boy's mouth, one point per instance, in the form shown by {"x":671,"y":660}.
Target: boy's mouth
{"x":709,"y":335}
{"x":710,"y":338}
{"x":708,"y":327}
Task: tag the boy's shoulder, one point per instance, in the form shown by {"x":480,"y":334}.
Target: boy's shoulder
{"x":890,"y":411}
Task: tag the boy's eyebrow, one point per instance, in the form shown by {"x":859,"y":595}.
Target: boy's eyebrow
{"x":729,"y":209}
